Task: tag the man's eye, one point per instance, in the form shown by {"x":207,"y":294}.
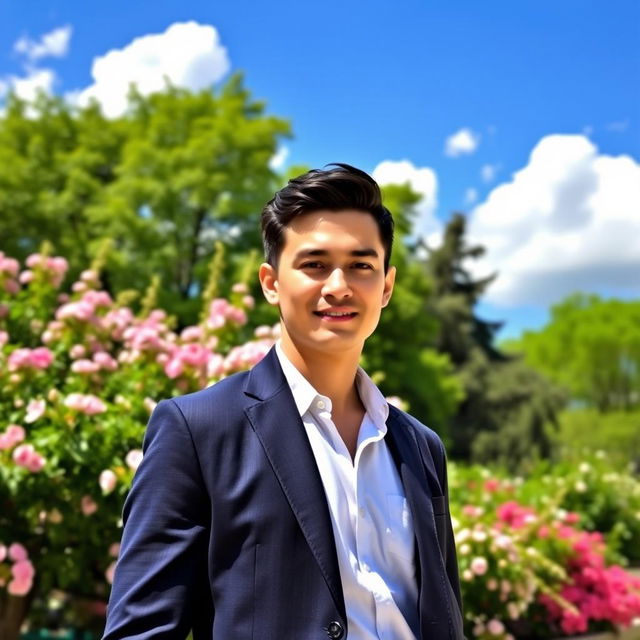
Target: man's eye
{"x":362,"y":265}
{"x":312,"y":265}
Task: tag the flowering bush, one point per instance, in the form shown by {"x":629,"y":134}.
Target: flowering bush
{"x":530,"y":570}
{"x":79,"y":376}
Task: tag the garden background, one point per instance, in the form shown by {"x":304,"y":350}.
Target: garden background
{"x":129,"y":243}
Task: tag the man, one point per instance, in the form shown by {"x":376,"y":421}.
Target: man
{"x":292,"y":501}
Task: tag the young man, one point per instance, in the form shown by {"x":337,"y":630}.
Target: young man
{"x":292,"y":501}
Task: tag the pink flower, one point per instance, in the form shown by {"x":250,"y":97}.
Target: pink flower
{"x":215,"y":366}
{"x":105,"y":361}
{"x":190,"y":334}
{"x":26,"y":277}
{"x":36,"y":463}
{"x":495,"y":627}
{"x":33,"y":260}
{"x":4,"y":338}
{"x":239,"y":287}
{"x":12,"y":436}
{"x":471,"y":510}
{"x":263,"y":331}
{"x":22,"y":570}
{"x":41,"y":357}
{"x":85,"y":366}
{"x":195,"y":355}
{"x":173,"y":368}
{"x":26,"y":456}
{"x":77,"y":351}
{"x":110,"y":572}
{"x":9,"y":266}
{"x":11,"y":286}
{"x":107,"y":481}
{"x":114,"y":549}
{"x":88,"y":505}
{"x":87,"y":404}
{"x":479,"y":565}
{"x":35,"y":410}
{"x":515,"y":514}
{"x":3,"y":552}
{"x":17,"y":552}
{"x":134,"y":458}
{"x":97,"y":298}
{"x":22,"y":454}
{"x":81,"y":311}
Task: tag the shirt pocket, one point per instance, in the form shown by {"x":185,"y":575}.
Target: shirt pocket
{"x":399,"y":529}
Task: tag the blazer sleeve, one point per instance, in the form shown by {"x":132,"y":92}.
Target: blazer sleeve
{"x":161,"y":572}
{"x":450,"y":557}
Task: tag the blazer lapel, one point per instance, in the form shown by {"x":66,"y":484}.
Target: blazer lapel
{"x":276,"y":422}
{"x":430,"y":570}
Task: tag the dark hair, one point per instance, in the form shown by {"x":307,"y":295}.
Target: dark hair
{"x":339,"y":187}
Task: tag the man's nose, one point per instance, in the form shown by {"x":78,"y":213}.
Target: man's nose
{"x":336,"y":285}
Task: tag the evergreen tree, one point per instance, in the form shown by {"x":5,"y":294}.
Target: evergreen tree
{"x":507,"y":406}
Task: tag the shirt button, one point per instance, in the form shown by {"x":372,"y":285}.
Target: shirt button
{"x":362,"y":512}
{"x":320,"y":404}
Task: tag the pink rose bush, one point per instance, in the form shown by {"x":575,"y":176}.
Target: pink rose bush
{"x":16,"y":570}
{"x":80,"y":373}
{"x":528,"y":568}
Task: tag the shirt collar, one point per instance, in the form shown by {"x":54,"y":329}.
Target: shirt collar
{"x":304,"y":393}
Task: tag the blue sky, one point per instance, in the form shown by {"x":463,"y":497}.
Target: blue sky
{"x":540,"y":103}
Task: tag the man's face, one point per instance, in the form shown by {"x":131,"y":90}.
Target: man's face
{"x":330,"y":283}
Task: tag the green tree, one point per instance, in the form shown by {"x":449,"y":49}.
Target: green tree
{"x":401,"y":352}
{"x":177,"y":172}
{"x":592,"y":348}
{"x":507,"y":404}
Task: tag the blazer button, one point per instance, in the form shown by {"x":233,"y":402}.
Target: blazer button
{"x":335,"y":630}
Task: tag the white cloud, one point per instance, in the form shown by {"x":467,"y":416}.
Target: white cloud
{"x":570,"y":220}
{"x":53,"y":44}
{"x":422,"y":180}
{"x":280,"y":157}
{"x":463,"y":141}
{"x":470,"y":195}
{"x":27,"y":87}
{"x":187,"y":54}
{"x":488,"y":172}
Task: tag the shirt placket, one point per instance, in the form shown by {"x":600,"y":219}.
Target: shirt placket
{"x":365,"y":539}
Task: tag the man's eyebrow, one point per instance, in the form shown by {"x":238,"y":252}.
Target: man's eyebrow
{"x":356,"y":253}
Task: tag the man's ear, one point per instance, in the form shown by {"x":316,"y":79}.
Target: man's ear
{"x":269,"y":282}
{"x":389,"y":281}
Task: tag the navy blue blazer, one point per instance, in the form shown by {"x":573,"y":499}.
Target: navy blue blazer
{"x":227,"y":529}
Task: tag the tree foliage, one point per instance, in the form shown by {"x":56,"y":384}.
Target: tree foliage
{"x":177,"y":172}
{"x":592,"y":348}
{"x":507,"y":404}
{"x":402,"y":351}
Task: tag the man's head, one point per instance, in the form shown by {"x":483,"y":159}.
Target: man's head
{"x":339,"y":188}
{"x":328,"y":238}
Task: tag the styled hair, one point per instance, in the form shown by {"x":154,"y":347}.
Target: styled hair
{"x":338,"y":187}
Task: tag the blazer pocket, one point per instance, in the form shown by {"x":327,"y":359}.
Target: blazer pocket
{"x":439,"y":505}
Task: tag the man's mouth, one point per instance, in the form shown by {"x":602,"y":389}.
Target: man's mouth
{"x":336,"y":314}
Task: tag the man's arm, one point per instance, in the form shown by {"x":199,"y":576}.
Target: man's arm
{"x":161,"y":571}
{"x":450,"y":559}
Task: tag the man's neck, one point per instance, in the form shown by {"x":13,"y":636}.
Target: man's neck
{"x":332,"y":374}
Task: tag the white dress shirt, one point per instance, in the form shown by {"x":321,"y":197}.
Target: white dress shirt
{"x":372,"y":524}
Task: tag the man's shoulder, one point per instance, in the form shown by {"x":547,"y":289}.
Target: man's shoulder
{"x":428,"y":435}
{"x":224,"y":395}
